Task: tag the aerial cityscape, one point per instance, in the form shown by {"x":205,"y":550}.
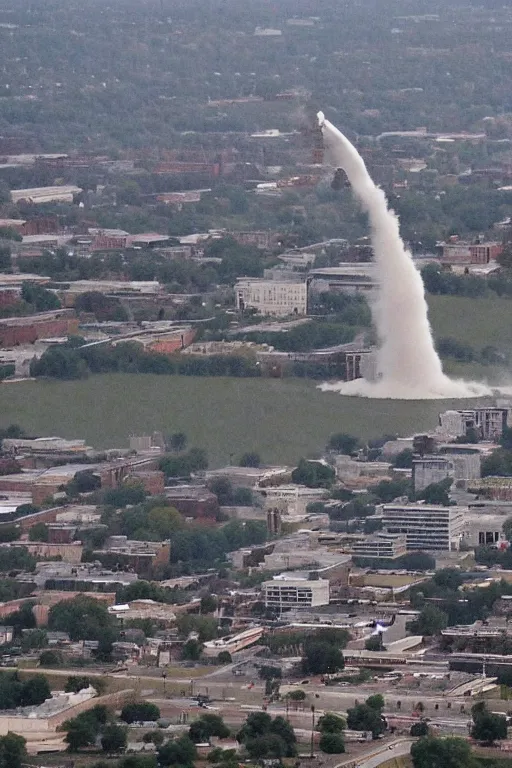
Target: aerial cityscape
{"x":255,"y":384}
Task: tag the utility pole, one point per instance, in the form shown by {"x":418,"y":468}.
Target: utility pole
{"x":312,"y":727}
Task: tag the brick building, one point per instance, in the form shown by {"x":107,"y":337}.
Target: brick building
{"x":140,"y":557}
{"x":26,"y":330}
{"x":193,"y":501}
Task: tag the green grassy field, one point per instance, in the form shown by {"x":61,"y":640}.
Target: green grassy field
{"x":282,"y":418}
{"x":477,"y":322}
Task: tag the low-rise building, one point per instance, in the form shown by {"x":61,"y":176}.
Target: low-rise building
{"x":43,"y":325}
{"x":295,"y":590}
{"x":141,"y":557}
{"x":381,"y":546}
{"x":292,"y":499}
{"x":272,"y":297}
{"x":431,"y":469}
{"x":233,"y":643}
{"x":489,"y":422}
{"x":67,"y":577}
{"x":39,"y":195}
{"x":425,"y":527}
{"x":193,"y":501}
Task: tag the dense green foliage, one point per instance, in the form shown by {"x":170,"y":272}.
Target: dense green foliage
{"x":367,"y":716}
{"x":15,"y":692}
{"x":13,"y":753}
{"x":206,"y":726}
{"x":448,"y":752}
{"x":139,"y":712}
{"x":84,"y":618}
{"x":488,"y":727}
{"x":267,"y":738}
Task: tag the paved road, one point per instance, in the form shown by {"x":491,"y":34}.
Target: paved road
{"x":374,"y":758}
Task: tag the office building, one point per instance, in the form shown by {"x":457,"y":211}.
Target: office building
{"x":271,"y":297}
{"x":431,"y":469}
{"x":488,"y":422}
{"x":425,"y":527}
{"x":295,"y":590}
{"x":381,"y":546}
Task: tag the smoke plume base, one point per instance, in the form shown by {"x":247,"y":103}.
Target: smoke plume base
{"x":408,"y":365}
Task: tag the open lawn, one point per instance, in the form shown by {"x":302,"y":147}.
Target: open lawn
{"x":283,"y":419}
{"x":477,"y":322}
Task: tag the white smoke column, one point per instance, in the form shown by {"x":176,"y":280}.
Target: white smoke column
{"x":407,"y":363}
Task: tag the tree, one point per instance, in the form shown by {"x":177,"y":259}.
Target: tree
{"x":321,"y":657}
{"x":34,"y":638}
{"x":269,"y":672}
{"x":207,"y":726}
{"x":313,"y":474}
{"x":9,"y":533}
{"x":256,"y":724}
{"x":35,"y":690}
{"x":38,"y":532}
{"x":342,"y":443}
{"x":180,"y":752}
{"x":331,"y":723}
{"x":431,"y":620}
{"x":139,"y":711}
{"x":223,"y":489}
{"x":296,"y":695}
{"x":448,"y":578}
{"x":419,"y":729}
{"x":374,"y":642}
{"x":192,"y":650}
{"x":488,"y":727}
{"x":224,"y":657}
{"x":178,"y":442}
{"x":266,"y":747}
{"x":5,"y":258}
{"x":249,"y":459}
{"x":450,"y":752}
{"x":437,"y":493}
{"x":243,"y":497}
{"x":81,"y":732}
{"x":332,"y":743}
{"x":76,"y":683}
{"x":507,"y":528}
{"x":41,"y":298}
{"x":155,"y":737}
{"x":13,"y":753}
{"x":376,"y":702}
{"x":208,"y":604}
{"x":403,"y":460}
{"x":506,"y":439}
{"x":364,"y":717}
{"x":84,"y":618}
{"x":50,"y":659}
{"x":126,"y":494}
{"x":113,"y":738}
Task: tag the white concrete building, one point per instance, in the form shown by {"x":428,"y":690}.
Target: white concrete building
{"x":272,"y":297}
{"x":382,"y":545}
{"x":233,"y":643}
{"x":431,"y":469}
{"x":295,"y":590}
{"x":488,"y":422}
{"x":293,"y":499}
{"x":483,"y":529}
{"x":425,"y":527}
{"x":37,"y":195}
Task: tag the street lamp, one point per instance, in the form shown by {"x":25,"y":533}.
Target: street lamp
{"x":312,"y":727}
